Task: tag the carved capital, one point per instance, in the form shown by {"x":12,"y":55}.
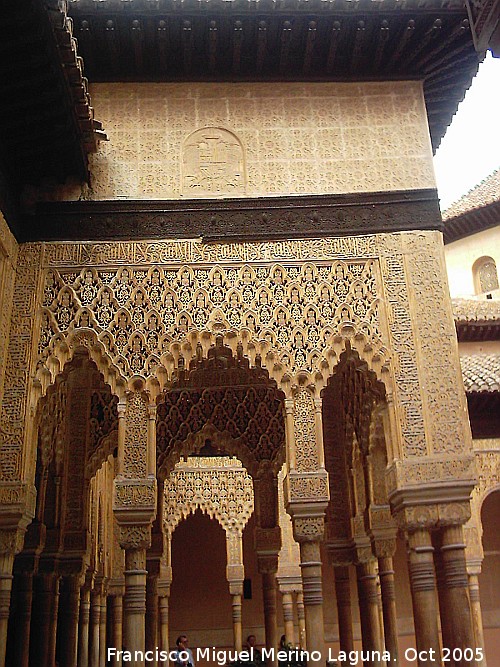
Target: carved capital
{"x":267,"y":541}
{"x":11,"y":541}
{"x":134,"y":537}
{"x":267,"y":564}
{"x":308,"y":528}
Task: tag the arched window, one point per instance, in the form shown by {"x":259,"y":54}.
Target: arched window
{"x":485,"y":275}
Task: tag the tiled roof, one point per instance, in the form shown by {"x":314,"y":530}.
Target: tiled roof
{"x":486,"y":192}
{"x":476,"y":310}
{"x":481,"y":373}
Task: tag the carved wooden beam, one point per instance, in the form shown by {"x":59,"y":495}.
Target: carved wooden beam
{"x":237,"y":43}
{"x":286,"y":40}
{"x":212,"y":45}
{"x":261,"y":45}
{"x":310,"y":41}
{"x":334,"y":45}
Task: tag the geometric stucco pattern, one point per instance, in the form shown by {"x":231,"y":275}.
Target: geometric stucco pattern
{"x":298,"y":138}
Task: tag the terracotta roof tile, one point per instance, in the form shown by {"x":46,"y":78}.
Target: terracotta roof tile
{"x":481,"y":372}
{"x":486,"y":192}
{"x":476,"y":310}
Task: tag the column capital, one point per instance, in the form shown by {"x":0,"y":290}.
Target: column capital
{"x":134,"y":537}
{"x":308,"y":528}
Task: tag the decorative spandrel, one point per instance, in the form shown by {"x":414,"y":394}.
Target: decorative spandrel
{"x":138,"y":313}
{"x":212,"y":164}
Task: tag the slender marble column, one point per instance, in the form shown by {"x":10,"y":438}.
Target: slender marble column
{"x":152,"y":615}
{"x":310,"y":564}
{"x":237,"y":629}
{"x":423,"y":592}
{"x":95,"y":627}
{"x":6,"y":565}
{"x":68,"y":622}
{"x":102,"y":628}
{"x":344,"y":610}
{"x":301,"y":617}
{"x":454,"y":596}
{"x":23,"y":583}
{"x":163,"y":604}
{"x":116,"y":625}
{"x":270,"y":618}
{"x":83,"y":629}
{"x":386,"y":574}
{"x":134,"y":613}
{"x":287,"y":602}
{"x":477,"y":616}
{"x":45,"y":608}
{"x":371,"y":634}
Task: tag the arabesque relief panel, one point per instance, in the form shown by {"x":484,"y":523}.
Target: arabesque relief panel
{"x":137,"y":305}
{"x":296,"y":138}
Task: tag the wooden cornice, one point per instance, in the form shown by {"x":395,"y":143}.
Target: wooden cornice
{"x":235,"y":219}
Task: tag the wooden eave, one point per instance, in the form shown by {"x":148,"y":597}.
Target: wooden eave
{"x":46,"y":119}
{"x":471,"y":222}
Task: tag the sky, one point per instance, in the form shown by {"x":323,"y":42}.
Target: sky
{"x":470,"y":150}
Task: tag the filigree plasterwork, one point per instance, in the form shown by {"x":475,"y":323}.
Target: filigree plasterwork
{"x":299,"y":137}
{"x":136,"y":436}
{"x":224,"y":492}
{"x":138,"y":313}
{"x":444,"y":403}
{"x":19,"y":359}
{"x":487,"y":454}
{"x":8,"y":257}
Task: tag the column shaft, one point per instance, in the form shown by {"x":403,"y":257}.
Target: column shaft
{"x":23,"y":583}
{"x":44,"y":632}
{"x":83,"y":629}
{"x":423,"y":592}
{"x":371,"y":634}
{"x":95,"y":627}
{"x":116,"y":625}
{"x":287,"y":603}
{"x":152,"y":615}
{"x":313,"y":596}
{"x":6,"y":565}
{"x":477,"y":616}
{"x":102,"y":629}
{"x":237,"y":629}
{"x":68,"y":623}
{"x":301,"y":617}
{"x":343,"y":595}
{"x":386,"y":574}
{"x":456,"y":616}
{"x":270,"y":618}
{"x":163,"y":604}
{"x":134,"y":612}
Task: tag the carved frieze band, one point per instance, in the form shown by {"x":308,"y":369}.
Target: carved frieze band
{"x":262,"y":218}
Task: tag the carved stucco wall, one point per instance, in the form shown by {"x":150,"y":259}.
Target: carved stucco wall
{"x":410,"y":344}
{"x":296,"y":138}
{"x":8,"y":257}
